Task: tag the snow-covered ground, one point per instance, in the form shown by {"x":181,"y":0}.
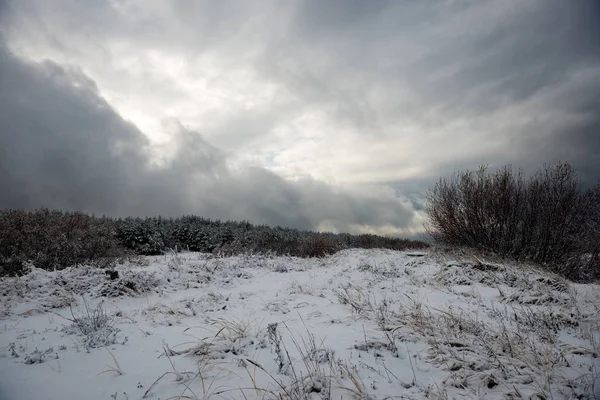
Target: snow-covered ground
{"x":365,"y":324}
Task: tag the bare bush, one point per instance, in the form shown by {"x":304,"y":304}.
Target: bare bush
{"x":95,"y":325}
{"x":370,"y":241}
{"x":547,"y":218}
{"x":319,"y":246}
{"x":55,"y":240}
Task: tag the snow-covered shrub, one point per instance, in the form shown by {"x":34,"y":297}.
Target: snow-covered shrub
{"x":141,"y":236}
{"x":128,"y":283}
{"x":38,"y":357}
{"x":95,"y":325}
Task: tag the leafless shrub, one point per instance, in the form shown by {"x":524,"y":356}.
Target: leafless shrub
{"x":95,"y":325}
{"x":370,"y":241}
{"x":309,"y":244}
{"x":55,"y":240}
{"x":547,"y":218}
{"x":318,"y":246}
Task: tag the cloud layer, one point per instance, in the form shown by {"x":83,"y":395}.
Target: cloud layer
{"x":317,"y":115}
{"x":63,"y":146}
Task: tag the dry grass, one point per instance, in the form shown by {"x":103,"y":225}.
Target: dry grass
{"x":360,"y":300}
{"x":311,"y":371}
{"x":516,"y":349}
{"x":116,"y":369}
{"x":95,"y":325}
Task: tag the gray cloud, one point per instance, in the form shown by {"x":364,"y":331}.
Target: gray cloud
{"x":468,"y":60}
{"x":531,"y":48}
{"x":387,"y":94}
{"x":63,"y":146}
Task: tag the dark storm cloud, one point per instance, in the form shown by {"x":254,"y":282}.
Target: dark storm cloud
{"x":577,"y":141}
{"x":63,"y":146}
{"x":459,"y":61}
{"x":535,"y":47}
{"x":469,"y":61}
{"x":441,"y":86}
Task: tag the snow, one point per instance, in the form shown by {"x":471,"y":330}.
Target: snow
{"x":365,"y":324}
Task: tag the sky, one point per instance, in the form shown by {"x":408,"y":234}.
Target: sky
{"x":325,"y":115}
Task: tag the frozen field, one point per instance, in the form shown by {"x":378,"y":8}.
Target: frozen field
{"x":363,"y":324}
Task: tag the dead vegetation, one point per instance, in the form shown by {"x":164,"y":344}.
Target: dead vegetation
{"x":516,"y":347}
{"x":546,"y":218}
